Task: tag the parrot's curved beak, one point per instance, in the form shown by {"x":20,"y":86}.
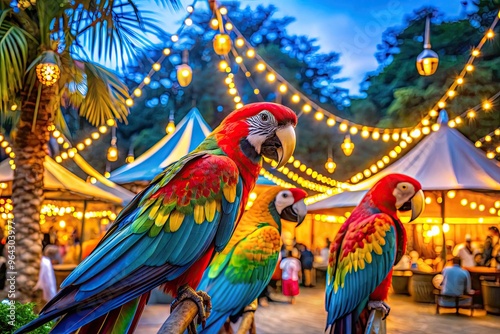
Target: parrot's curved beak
{"x":286,"y":136}
{"x":295,"y":213}
{"x":417,"y":205}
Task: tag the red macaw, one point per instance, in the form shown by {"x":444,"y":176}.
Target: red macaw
{"x":169,"y":233}
{"x":364,"y":251}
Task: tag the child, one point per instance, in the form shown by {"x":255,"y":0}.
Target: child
{"x":290,"y":276}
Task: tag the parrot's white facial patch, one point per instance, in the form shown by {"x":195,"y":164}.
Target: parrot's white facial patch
{"x":403,"y":192}
{"x":283,"y":199}
{"x":260,"y":127}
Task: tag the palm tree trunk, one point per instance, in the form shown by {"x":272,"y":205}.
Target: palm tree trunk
{"x":30,"y":146}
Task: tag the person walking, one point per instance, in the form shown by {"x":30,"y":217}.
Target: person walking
{"x":290,"y":275}
{"x":306,"y":261}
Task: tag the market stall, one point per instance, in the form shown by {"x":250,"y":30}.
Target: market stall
{"x":461,"y":185}
{"x":73,"y":213}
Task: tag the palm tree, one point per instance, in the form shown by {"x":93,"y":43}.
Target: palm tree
{"x":45,"y":68}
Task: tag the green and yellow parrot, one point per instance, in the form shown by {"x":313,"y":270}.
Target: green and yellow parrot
{"x":244,"y":268}
{"x":169,"y":233}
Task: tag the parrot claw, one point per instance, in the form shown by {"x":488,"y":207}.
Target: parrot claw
{"x":379,"y":305}
{"x":200,"y":298}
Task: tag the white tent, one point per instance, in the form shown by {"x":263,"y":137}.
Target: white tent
{"x":443,"y":161}
{"x":60,"y":184}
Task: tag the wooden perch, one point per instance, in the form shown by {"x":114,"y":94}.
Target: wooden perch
{"x":180,"y":318}
{"x":248,"y":319}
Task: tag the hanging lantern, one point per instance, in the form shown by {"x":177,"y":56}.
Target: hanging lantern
{"x":112,"y":153}
{"x":330,"y":165}
{"x":47,"y":71}
{"x":184,"y":71}
{"x":222,"y":44}
{"x":347,"y":146}
{"x":171,"y":124}
{"x":427,"y":60}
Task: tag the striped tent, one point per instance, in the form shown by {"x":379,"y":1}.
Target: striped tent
{"x":188,"y":134}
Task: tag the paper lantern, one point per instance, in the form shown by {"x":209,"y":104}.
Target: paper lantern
{"x":222,"y":44}
{"x":47,"y":71}
{"x":427,"y":60}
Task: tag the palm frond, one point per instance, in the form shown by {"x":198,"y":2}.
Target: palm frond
{"x":105,"y":95}
{"x":13,"y":58}
{"x":113,"y":30}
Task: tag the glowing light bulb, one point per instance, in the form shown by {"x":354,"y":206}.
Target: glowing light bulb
{"x":250,"y":53}
{"x":129,"y":102}
{"x":343,"y":127}
{"x":223,"y":10}
{"x":295,"y":98}
{"x":319,"y":115}
{"x":306,"y":108}
{"x":174,"y":38}
{"x":451,"y":93}
{"x":261,"y":67}
{"x":435,"y":127}
{"x":147,"y":80}
{"x":353,"y":130}
{"x":475,"y":52}
{"x":238,"y":59}
{"x":471,"y":114}
{"x":365,"y":133}
{"x":469,"y":68}
{"x":239,"y":42}
{"x":375,"y":135}
{"x":271,"y":77}
{"x":137,"y":92}
{"x":283,"y":88}
{"x":486,"y":105}
{"x":188,"y":21}
{"x":490,"y":34}
{"x":95,"y":135}
{"x":330,"y":122}
{"x":460,"y":81}
{"x":156,"y":66}
{"x":441,"y":104}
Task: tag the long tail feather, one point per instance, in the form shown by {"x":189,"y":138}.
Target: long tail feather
{"x":122,"y":319}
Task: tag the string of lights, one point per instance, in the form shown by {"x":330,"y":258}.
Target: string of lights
{"x":423,"y":129}
{"x":468,"y":68}
{"x":331,"y":119}
{"x":488,"y":140}
{"x":5,"y":144}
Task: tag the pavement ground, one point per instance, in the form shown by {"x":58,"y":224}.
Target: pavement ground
{"x":307,"y":316}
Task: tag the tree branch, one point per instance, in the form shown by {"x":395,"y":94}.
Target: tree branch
{"x":180,"y":318}
{"x":248,"y":319}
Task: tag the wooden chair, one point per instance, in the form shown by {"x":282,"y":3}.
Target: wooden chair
{"x":457,"y":299}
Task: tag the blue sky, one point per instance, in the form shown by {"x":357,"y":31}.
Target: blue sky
{"x":350,"y":27}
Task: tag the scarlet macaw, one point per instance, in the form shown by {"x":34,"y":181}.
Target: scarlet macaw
{"x":364,"y":251}
{"x":170,"y":231}
{"x":238,"y":274}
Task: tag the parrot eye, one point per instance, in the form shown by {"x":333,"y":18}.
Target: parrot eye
{"x":285,"y":195}
{"x":264,"y":117}
{"x":404,"y":187}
